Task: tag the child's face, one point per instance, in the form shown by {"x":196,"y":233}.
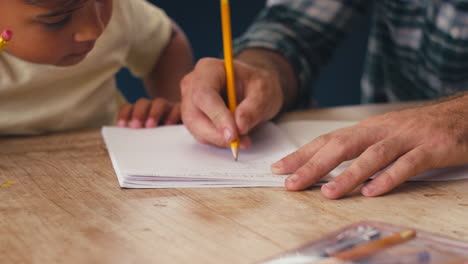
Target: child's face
{"x":56,"y":32}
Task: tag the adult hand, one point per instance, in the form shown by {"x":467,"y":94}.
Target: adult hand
{"x":414,"y":140}
{"x":149,"y":114}
{"x":205,"y":113}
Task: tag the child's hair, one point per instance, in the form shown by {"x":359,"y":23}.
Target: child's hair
{"x":57,"y":5}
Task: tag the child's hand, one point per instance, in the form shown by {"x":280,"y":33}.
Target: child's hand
{"x":147,"y":114}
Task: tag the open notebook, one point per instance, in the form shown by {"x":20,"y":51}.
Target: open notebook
{"x":169,"y":157}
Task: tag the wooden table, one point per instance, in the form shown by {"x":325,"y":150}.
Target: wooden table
{"x":66,"y":207}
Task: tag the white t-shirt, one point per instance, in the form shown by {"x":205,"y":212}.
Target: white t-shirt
{"x":38,"y":98}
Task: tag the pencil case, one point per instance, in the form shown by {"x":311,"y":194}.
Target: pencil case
{"x":423,"y":248}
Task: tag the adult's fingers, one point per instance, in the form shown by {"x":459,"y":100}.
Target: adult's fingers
{"x":203,"y":109}
{"x":213,"y":107}
{"x":259,"y":104}
{"x":343,"y":145}
{"x":201,"y":126}
{"x":295,"y":160}
{"x":412,"y":163}
{"x":374,"y":158}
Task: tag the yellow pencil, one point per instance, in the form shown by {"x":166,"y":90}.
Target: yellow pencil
{"x":4,"y":38}
{"x":229,"y":66}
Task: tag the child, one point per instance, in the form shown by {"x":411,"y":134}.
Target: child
{"x":57,"y":73}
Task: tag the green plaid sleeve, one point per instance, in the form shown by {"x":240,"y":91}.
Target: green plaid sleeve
{"x":306,"y":32}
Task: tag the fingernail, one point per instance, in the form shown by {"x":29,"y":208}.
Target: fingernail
{"x":369,"y":189}
{"x":276,"y":167}
{"x":293,"y":178}
{"x":227,"y":134}
{"x":135,"y":124}
{"x":122,"y":123}
{"x":332,"y":186}
{"x":150,"y":123}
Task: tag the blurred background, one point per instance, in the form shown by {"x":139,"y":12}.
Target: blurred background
{"x":339,"y":82}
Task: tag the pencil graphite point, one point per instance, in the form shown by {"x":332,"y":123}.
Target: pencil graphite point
{"x":235,"y":152}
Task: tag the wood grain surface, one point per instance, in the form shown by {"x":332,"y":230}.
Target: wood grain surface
{"x":66,"y":207}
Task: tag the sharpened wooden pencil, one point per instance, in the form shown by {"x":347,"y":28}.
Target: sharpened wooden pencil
{"x":229,"y":66}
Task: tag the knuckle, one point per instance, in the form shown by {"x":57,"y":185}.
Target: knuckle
{"x":363,"y":165}
{"x":312,"y":166}
{"x":204,"y":62}
{"x":323,"y":139}
{"x":349,"y":177}
{"x":342,"y":146}
{"x":216,"y":117}
{"x":388,"y":180}
{"x":409,"y":161}
{"x":265,"y":75}
{"x":378,"y":150}
{"x":425,"y":154}
{"x":289,"y":160}
{"x":341,"y":139}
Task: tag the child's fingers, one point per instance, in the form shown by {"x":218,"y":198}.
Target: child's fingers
{"x":140,"y":112}
{"x":159,"y":108}
{"x":174,"y":115}
{"x":124,"y":115}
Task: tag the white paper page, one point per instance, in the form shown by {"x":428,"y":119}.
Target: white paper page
{"x":171,"y":151}
{"x":302,"y":132}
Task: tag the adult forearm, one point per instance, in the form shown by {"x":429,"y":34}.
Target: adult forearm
{"x":279,"y":68}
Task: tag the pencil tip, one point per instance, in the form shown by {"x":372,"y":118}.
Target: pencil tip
{"x":235,"y":153}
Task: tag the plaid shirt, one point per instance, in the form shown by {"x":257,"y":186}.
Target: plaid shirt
{"x":417,"y":49}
